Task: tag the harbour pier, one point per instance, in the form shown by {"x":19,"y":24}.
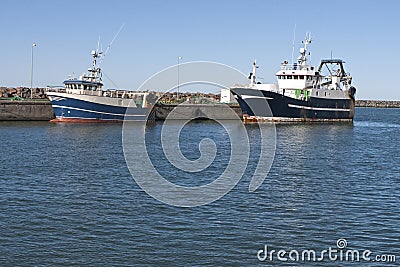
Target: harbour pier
{"x":15,"y":108}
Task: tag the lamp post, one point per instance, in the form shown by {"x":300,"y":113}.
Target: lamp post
{"x":33,"y":45}
{"x":177,"y":92}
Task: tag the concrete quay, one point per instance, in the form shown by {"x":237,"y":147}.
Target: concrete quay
{"x":41,"y":110}
{"x":26,"y":110}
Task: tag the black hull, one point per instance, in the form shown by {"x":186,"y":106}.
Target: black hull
{"x":266,"y":105}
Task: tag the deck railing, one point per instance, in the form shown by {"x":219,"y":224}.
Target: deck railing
{"x":293,"y":67}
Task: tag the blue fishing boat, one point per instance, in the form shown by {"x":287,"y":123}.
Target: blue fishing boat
{"x":84,"y":100}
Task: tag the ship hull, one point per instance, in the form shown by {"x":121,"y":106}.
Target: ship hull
{"x":86,"y":108}
{"x":260,"y":105}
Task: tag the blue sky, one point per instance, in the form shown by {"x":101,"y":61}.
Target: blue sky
{"x":366,"y":35}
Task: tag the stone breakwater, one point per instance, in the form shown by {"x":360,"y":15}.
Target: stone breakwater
{"x":22,"y":92}
{"x":377,"y":104}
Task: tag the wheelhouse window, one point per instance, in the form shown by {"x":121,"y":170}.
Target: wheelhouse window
{"x":301,"y":77}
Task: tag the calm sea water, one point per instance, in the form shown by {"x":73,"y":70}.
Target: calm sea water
{"x":67,"y":196}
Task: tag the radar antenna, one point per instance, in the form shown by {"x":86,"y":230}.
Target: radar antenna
{"x":109,"y":46}
{"x":294,"y":39}
{"x":98,"y":56}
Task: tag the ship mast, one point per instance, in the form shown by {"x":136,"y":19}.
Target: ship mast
{"x":95,"y":71}
{"x":252,"y":75}
{"x":302,"y":59}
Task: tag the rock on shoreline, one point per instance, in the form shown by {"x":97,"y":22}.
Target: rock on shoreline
{"x":377,"y":104}
{"x":24,"y":92}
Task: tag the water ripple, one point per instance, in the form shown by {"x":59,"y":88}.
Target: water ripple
{"x":67,"y":198}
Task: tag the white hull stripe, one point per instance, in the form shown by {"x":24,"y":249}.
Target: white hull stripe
{"x":104,"y":100}
{"x":315,"y":108}
{"x":254,"y":96}
{"x":99,"y":112}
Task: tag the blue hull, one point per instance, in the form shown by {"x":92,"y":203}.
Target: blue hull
{"x":76,"y":110}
